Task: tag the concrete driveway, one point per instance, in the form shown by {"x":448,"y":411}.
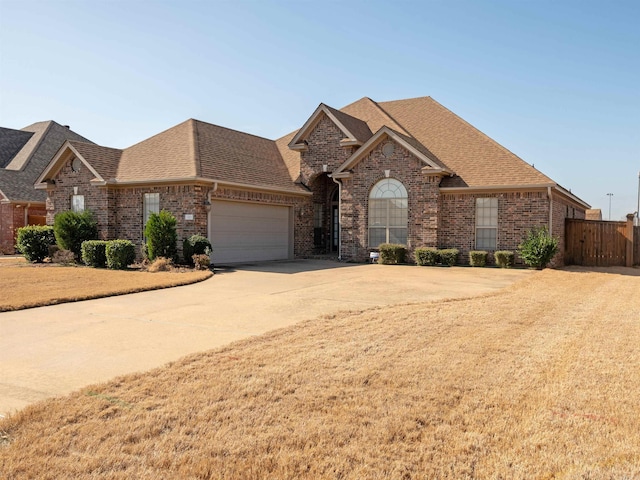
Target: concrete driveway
{"x":54,"y":350}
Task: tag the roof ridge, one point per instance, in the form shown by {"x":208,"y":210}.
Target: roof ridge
{"x":34,"y":149}
{"x":487,"y":137}
{"x":233,"y":130}
{"x":384,"y":112}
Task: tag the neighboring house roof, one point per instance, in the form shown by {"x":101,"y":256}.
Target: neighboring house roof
{"x":11,"y":142}
{"x":40,"y":142}
{"x":593,"y":214}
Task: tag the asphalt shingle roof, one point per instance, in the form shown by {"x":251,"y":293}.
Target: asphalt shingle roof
{"x":11,"y":142}
{"x":18,"y":176}
{"x":476,"y":159}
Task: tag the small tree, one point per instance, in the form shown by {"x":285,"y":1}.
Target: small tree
{"x":73,"y":228}
{"x":34,"y":241}
{"x":538,"y":248}
{"x":161,"y":235}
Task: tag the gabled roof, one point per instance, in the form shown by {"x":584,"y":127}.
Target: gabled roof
{"x":190,"y":151}
{"x":477,"y":160}
{"x":355,"y":130}
{"x":21,"y":171}
{"x":11,"y":142}
{"x":431,"y":162}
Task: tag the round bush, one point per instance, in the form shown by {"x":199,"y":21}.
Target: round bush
{"x":94,"y":253}
{"x":120,"y":254}
{"x":34,"y":241}
{"x":195,"y":245}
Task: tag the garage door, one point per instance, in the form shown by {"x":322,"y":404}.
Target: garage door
{"x":249,"y":232}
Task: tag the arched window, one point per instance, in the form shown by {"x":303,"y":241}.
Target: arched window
{"x":387,"y":213}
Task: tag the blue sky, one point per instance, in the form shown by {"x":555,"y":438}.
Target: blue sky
{"x":556,"y":82}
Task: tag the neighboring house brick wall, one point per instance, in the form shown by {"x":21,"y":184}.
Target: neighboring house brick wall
{"x":517,"y":213}
{"x":12,"y":217}
{"x":7,"y":232}
{"x":423,"y":204}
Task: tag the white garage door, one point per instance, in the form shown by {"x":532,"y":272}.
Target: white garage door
{"x":249,"y":232}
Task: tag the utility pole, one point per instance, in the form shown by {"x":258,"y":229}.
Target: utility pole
{"x":610,"y":195}
{"x":638,"y":208}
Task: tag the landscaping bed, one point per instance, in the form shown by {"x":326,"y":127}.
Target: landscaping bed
{"x":25,"y":285}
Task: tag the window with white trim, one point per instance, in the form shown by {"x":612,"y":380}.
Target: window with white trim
{"x":77,"y":203}
{"x":486,"y":223}
{"x":388,"y":213}
{"x":150,"y":204}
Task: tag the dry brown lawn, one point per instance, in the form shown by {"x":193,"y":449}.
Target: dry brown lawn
{"x":538,"y":381}
{"x":24,"y":285}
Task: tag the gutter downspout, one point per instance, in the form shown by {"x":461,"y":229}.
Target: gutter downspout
{"x":339,"y":216}
{"x":550,"y":210}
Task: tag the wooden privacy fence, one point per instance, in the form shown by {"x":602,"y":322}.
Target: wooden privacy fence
{"x":595,"y":243}
{"x":636,"y":247}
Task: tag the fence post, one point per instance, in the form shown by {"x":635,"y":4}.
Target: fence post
{"x":629,"y":235}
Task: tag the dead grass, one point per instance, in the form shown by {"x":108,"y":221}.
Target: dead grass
{"x":26,"y":285}
{"x":539,"y":381}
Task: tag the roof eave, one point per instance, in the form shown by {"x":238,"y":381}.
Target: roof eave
{"x":208,"y":181}
{"x":350,"y":142}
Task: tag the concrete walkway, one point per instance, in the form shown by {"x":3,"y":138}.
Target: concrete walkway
{"x":54,"y":350}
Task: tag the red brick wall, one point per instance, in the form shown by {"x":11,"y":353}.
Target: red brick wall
{"x":96,"y":199}
{"x":11,"y":219}
{"x":323,"y":149}
{"x":423,"y":205}
{"x":7,"y":232}
{"x":518,"y":212}
{"x":119,"y":211}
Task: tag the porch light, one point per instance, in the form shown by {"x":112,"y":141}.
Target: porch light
{"x":207,"y":205}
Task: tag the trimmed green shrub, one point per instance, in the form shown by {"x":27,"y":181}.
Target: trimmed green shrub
{"x":426,"y":256}
{"x":72,"y":228}
{"x":392,"y":253}
{"x":504,"y":258}
{"x":161,"y":235}
{"x":195,"y":245}
{"x":120,"y":254}
{"x":94,"y":253}
{"x":449,"y":256}
{"x":34,"y":241}
{"x":478,"y":258}
{"x":538,"y":248}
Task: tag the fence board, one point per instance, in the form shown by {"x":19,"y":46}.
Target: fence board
{"x":595,"y":243}
{"x":636,"y":245}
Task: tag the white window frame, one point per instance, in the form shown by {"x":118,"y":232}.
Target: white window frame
{"x":77,"y":203}
{"x":486,"y":221}
{"x":150,"y":204}
{"x":387,"y":195}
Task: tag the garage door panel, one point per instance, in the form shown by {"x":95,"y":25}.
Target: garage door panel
{"x":247,"y":232}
